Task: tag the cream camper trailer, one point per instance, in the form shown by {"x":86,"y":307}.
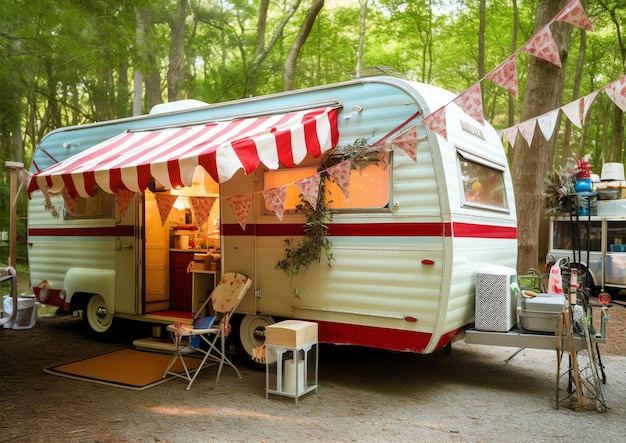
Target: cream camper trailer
{"x":136,"y":218}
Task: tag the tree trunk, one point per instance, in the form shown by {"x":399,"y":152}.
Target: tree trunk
{"x":359,"y":55}
{"x":542,"y":94}
{"x":177,"y":44}
{"x":617,"y":139}
{"x":567,"y":134}
{"x":303,"y":34}
{"x":263,"y":51}
{"x":512,"y":99}
{"x":481,"y":39}
{"x":150,"y":67}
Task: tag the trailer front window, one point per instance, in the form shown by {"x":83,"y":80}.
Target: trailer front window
{"x":483,"y":185}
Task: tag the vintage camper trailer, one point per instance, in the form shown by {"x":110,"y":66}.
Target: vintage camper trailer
{"x":421,"y":219}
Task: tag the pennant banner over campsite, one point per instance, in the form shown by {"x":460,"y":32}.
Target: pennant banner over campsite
{"x":540,"y":45}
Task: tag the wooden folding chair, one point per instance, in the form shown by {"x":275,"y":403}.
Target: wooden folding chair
{"x":203,"y":336}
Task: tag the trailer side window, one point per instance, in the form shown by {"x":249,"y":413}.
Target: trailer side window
{"x":369,"y":188}
{"x":483,"y":184}
{"x":101,"y":205}
{"x":562,"y":237}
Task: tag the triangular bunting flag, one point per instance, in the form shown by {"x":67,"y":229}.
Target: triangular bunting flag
{"x":275,"y":198}
{"x":436,"y":122}
{"x":123,"y":197}
{"x":165,"y":203}
{"x":511,"y":134}
{"x":341,"y":175}
{"x":382,"y":144}
{"x":547,"y":123}
{"x":241,"y":205}
{"x":585,"y":103}
{"x":202,"y":208}
{"x":505,"y":75}
{"x":617,"y":92}
{"x":572,"y":111}
{"x":310,"y":188}
{"x":574,"y":14}
{"x":471,"y":102}
{"x":70,"y":202}
{"x":407,"y":141}
{"x":542,"y":45}
{"x":527,"y":129}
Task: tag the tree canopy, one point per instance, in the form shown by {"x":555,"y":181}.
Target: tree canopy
{"x":79,"y":61}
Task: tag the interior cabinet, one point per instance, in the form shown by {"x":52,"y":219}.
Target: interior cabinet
{"x":180,"y":281}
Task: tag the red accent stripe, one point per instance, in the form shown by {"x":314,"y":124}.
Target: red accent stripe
{"x":484,"y":231}
{"x":348,"y":230}
{"x":382,"y":338}
{"x":461,"y":230}
{"x":115,"y":231}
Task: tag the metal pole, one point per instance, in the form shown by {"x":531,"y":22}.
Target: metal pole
{"x":14,"y":168}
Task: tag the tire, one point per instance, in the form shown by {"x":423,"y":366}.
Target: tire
{"x":98,"y":318}
{"x":249,"y":333}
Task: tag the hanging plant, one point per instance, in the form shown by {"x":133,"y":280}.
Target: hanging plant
{"x":315,"y":244}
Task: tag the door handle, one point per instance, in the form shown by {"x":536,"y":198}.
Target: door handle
{"x":119,"y":246}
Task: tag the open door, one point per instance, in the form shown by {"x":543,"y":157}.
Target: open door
{"x":155,"y":258}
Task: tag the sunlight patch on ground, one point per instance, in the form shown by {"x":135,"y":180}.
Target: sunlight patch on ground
{"x":227,"y":412}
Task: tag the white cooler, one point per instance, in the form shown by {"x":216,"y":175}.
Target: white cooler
{"x":26,"y":316}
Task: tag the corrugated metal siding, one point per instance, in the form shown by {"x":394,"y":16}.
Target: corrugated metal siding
{"x":50,"y":257}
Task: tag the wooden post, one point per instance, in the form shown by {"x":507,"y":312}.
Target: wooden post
{"x":14,"y":168}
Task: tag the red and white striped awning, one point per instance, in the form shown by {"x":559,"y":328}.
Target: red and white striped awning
{"x":171,"y":156}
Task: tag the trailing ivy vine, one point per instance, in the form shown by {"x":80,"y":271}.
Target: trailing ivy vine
{"x":315,"y":244}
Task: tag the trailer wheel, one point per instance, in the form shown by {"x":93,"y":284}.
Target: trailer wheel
{"x":97,"y":317}
{"x":249,"y":333}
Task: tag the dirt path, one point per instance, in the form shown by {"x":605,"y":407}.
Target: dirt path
{"x":365,"y":395}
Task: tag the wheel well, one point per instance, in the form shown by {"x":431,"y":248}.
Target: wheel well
{"x":80,"y":300}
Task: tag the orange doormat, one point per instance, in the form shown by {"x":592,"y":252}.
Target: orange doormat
{"x":126,"y":368}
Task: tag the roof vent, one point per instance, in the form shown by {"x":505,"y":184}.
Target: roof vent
{"x":179,"y":105}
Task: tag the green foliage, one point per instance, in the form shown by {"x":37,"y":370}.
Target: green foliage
{"x":315,"y":244}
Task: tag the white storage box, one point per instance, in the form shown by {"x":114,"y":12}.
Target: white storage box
{"x":612,"y":171}
{"x":496,"y":305}
{"x":291,"y":333}
{"x":26,"y":312}
{"x":541,"y":313}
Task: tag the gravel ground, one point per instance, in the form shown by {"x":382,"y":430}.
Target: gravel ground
{"x":364,"y":395}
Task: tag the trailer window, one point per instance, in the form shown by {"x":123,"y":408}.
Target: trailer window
{"x":101,"y":205}
{"x":369,"y":188}
{"x":483,"y":185}
{"x":562,"y":237}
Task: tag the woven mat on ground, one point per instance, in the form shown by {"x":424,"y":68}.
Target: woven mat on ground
{"x":126,"y":368}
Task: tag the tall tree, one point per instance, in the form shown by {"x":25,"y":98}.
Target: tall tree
{"x":542,"y":94}
{"x":303,"y":34}
{"x":177,"y":45}
{"x":616,"y":11}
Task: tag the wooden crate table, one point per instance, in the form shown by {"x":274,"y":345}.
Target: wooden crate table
{"x":292,"y":358}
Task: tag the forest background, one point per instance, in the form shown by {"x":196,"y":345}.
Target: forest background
{"x":70,"y":62}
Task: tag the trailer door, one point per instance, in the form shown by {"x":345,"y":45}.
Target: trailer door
{"x":126,"y":259}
